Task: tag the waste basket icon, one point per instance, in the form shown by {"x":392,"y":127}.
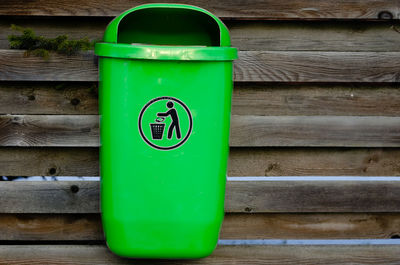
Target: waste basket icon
{"x":157,"y":130}
{"x":163,"y":181}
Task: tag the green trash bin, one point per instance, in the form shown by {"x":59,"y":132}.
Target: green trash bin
{"x":165,"y":91}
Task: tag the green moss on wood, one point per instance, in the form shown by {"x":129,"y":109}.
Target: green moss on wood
{"x":41,"y":46}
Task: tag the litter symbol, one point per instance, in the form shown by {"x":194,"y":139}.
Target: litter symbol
{"x":165,"y":123}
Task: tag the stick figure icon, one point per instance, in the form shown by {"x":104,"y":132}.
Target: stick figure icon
{"x":175,"y":120}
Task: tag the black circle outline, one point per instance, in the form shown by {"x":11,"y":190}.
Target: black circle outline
{"x":187,"y":134}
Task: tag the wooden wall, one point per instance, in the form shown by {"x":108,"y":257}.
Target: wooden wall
{"x":316,"y":94}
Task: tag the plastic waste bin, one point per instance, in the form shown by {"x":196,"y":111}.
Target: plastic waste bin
{"x":165,"y":90}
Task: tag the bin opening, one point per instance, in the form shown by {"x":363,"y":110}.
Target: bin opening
{"x":169,"y":26}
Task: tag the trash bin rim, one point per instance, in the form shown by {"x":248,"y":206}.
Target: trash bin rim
{"x":111,"y":33}
{"x":165,"y":52}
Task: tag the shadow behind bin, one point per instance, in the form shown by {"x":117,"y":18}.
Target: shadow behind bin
{"x":162,"y":191}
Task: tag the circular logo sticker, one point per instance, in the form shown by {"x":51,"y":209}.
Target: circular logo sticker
{"x":165,"y":123}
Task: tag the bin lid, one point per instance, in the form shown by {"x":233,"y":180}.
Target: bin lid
{"x":111,"y":48}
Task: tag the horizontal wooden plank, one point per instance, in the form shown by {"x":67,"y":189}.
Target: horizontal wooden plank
{"x":245,"y":35}
{"x":48,"y":98}
{"x":250,"y":254}
{"x":87,"y":227}
{"x":267,"y":9}
{"x":75,"y":161}
{"x":49,"y":162}
{"x":275,"y":66}
{"x":252,"y":66}
{"x":322,"y":99}
{"x":15,"y":66}
{"x":40,"y":196}
{"x":312,"y":196}
{"x":242,"y":196}
{"x":315,"y":35}
{"x":248,"y":99}
{"x":315,"y":131}
{"x":50,"y":227}
{"x":311,"y":226}
{"x":49,"y":130}
{"x":314,"y":162}
{"x":256,"y":131}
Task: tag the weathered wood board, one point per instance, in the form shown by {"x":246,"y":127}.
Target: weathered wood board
{"x":223,"y":255}
{"x":263,"y":99}
{"x":252,"y":66}
{"x":241,"y":197}
{"x":249,"y":130}
{"x":246,"y":35}
{"x":77,"y":161}
{"x":251,"y":9}
{"x":87,"y":227}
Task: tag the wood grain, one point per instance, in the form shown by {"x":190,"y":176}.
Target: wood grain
{"x":311,"y":226}
{"x":344,"y":36}
{"x":223,"y":255}
{"x":76,"y":161}
{"x":252,"y":66}
{"x":16,"y":66}
{"x":256,"y":131}
{"x":316,"y":131}
{"x":49,"y":130}
{"x":241,"y":197}
{"x":314,"y":162}
{"x":48,"y":98}
{"x":276,"y":66}
{"x":245,"y":35}
{"x":50,"y":227}
{"x":312,"y":196}
{"x":322,"y":99}
{"x":248,"y":99}
{"x":46,"y":197}
{"x":252,"y":9}
{"x":87,"y":227}
{"x":49,"y":161}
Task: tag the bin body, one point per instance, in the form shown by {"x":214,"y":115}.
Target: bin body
{"x":163,"y":180}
